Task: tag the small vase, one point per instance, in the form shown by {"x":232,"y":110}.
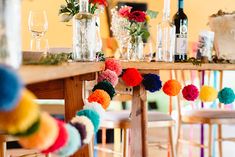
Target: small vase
{"x":135,"y":50}
{"x":84,"y":37}
{"x":10,"y":33}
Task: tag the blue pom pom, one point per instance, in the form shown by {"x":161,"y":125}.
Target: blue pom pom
{"x":73,"y":144}
{"x":226,"y":96}
{"x":11,"y":87}
{"x":107,"y":87}
{"x":93,"y":116}
{"x":152,"y":82}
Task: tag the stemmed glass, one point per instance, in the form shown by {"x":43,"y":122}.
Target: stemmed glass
{"x":38,"y":26}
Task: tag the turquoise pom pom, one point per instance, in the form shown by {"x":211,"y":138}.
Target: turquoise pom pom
{"x":93,"y":116}
{"x":73,"y":144}
{"x":226,"y":96}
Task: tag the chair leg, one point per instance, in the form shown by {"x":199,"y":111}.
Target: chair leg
{"x":210,"y":141}
{"x":219,"y":140}
{"x":125,"y":141}
{"x":3,"y":147}
{"x":178,"y":136}
{"x":170,"y":134}
{"x":103,"y":140}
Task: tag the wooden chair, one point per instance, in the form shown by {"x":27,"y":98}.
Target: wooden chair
{"x":209,"y":117}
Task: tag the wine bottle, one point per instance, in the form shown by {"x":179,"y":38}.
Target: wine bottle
{"x":180,"y":20}
{"x":165,"y":36}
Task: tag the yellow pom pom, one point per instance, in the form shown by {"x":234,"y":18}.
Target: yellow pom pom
{"x":22,"y":117}
{"x":208,"y":94}
{"x":44,"y":137}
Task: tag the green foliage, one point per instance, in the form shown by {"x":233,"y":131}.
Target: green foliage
{"x":152,"y":14}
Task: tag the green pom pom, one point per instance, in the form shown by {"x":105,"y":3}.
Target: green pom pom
{"x":226,"y":96}
{"x":106,"y":86}
{"x":31,"y":130}
{"x":93,"y":116}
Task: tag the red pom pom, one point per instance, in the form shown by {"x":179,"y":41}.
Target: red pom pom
{"x":172,"y":87}
{"x":132,"y":77}
{"x":113,"y":65}
{"x":61,"y":139}
{"x":190,"y":92}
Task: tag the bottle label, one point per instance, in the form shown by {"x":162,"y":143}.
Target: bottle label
{"x":181,"y":44}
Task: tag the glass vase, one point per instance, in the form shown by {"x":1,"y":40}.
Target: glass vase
{"x":84,"y":38}
{"x":10,"y":33}
{"x":135,"y":50}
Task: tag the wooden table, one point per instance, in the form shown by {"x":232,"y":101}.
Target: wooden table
{"x":66,"y":82}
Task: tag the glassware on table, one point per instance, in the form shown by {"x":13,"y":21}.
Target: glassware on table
{"x":135,"y":51}
{"x":148,"y":51}
{"x":38,"y":26}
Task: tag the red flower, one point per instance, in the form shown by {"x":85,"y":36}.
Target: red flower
{"x":100,"y":2}
{"x":137,"y":16}
{"x":125,"y":11}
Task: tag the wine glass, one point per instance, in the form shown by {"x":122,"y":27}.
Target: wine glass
{"x":38,"y":26}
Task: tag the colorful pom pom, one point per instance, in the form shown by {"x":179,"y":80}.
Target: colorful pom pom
{"x":81,"y":129}
{"x":113,"y":65}
{"x":61,"y":140}
{"x":208,"y":94}
{"x":109,"y":76}
{"x":132,"y":77}
{"x":152,"y":82}
{"x":89,"y":127}
{"x":172,"y":88}
{"x":73,"y":143}
{"x":226,"y":96}
{"x":101,"y":97}
{"x":93,"y":116}
{"x":190,"y":92}
{"x":44,"y":137}
{"x":107,"y":87}
{"x":11,"y":87}
{"x":94,"y":106}
{"x":34,"y":128}
{"x":22,"y":117}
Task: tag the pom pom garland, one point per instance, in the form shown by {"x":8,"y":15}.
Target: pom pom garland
{"x":81,"y":129}
{"x":89,"y":127}
{"x":34,"y":128}
{"x":101,"y":97}
{"x":226,"y":96}
{"x":21,"y":118}
{"x":152,"y":82}
{"x":93,"y":116}
{"x":190,"y":92}
{"x":132,"y":77}
{"x":44,"y":137}
{"x":172,"y":88}
{"x":208,"y":94}
{"x":11,"y":87}
{"x":107,"y":87}
{"x":113,"y":65}
{"x":109,"y":76}
{"x":73,"y":143}
{"x":94,"y":106}
{"x":61,"y":140}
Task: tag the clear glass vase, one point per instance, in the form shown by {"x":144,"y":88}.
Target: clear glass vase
{"x":84,"y":37}
{"x":10,"y":33}
{"x":135,"y":50}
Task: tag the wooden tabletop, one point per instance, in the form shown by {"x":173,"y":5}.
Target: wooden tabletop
{"x":39,"y":73}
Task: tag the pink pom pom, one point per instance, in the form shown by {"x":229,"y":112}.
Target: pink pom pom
{"x":113,"y":65}
{"x":110,"y":76}
{"x":190,"y":92}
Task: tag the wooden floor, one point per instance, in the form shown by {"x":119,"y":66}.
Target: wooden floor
{"x":160,"y":134}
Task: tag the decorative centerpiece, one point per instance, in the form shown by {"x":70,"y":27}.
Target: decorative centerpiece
{"x":131,"y":27}
{"x":84,"y":15}
{"x":10,"y":35}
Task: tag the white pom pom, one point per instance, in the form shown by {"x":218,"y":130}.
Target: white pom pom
{"x":96,"y":107}
{"x":89,"y":127}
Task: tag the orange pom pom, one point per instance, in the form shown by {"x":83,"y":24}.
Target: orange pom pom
{"x":101,"y":97}
{"x":46,"y":135}
{"x":172,"y":87}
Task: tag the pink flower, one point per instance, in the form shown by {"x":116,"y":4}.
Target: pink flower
{"x":125,"y":11}
{"x":109,"y":76}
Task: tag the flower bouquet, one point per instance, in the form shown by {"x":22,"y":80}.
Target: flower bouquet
{"x":131,"y":27}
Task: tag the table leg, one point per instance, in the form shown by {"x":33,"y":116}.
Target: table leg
{"x":139,"y":122}
{"x":73,"y":90}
